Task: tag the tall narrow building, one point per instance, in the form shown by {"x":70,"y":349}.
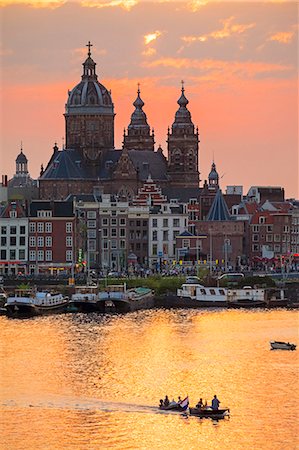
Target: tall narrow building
{"x":183,"y":143}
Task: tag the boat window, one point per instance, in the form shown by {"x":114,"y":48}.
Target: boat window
{"x":203,"y":291}
{"x":212,"y":291}
{"x":221,"y":292}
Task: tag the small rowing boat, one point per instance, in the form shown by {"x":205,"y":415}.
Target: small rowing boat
{"x":277,"y":345}
{"x":209,"y":413}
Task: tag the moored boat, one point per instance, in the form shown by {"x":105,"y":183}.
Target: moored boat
{"x":279,"y":345}
{"x":26,"y":303}
{"x":125,"y":300}
{"x":85,"y":299}
{"x":247,"y":297}
{"x":196,"y":295}
{"x":209,"y":413}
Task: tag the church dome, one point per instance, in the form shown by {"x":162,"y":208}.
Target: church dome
{"x":213,"y":175}
{"x":21,"y":158}
{"x":89,"y":96}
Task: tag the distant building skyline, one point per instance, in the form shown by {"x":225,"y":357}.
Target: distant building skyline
{"x":240,"y":72}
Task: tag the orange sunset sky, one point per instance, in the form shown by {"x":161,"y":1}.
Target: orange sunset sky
{"x":239,"y":61}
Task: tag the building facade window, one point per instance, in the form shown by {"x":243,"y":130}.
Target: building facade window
{"x":32,"y":227}
{"x":165,"y":222}
{"x":32,"y":255}
{"x":91,"y":214}
{"x":3,"y":230}
{"x":155,"y":223}
{"x":40,"y":241}
{"x":22,"y":229}
{"x":69,"y":241}
{"x":91,"y":224}
{"x":12,"y":255}
{"x":154,"y":249}
{"x":40,"y":255}
{"x":155,"y":235}
{"x":69,"y":227}
{"x":69,"y":255}
{"x":40,"y":227}
{"x":22,"y":254}
{"x":48,"y":227}
{"x":3,"y":254}
{"x":13,"y":230}
{"x":48,"y":241}
{"x":13,"y":241}
{"x":48,"y":255}
{"x":32,"y":241}
{"x":22,"y":240}
{"x":92,"y":234}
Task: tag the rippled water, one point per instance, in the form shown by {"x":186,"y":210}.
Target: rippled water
{"x":86,"y":381}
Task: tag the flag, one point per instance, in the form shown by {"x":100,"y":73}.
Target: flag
{"x":184,"y":403}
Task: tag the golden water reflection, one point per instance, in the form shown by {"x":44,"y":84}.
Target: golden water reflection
{"x":89,"y":381}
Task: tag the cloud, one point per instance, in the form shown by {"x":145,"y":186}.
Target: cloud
{"x":152,"y":36}
{"x":195,"y":5}
{"x":229,"y":29}
{"x":125,"y":4}
{"x":51,"y":4}
{"x":282,"y":37}
{"x":214,"y":69}
{"x":150,"y":51}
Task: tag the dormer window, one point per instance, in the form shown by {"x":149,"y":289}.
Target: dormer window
{"x":13,"y":214}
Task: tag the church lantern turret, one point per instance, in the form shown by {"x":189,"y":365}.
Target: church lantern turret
{"x":183,"y":144}
{"x":21,"y":164}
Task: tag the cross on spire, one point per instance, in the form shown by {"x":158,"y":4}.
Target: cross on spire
{"x":183,"y":89}
{"x":138,"y":90}
{"x":89,"y":45}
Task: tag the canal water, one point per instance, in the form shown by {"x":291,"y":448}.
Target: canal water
{"x":87,"y":381}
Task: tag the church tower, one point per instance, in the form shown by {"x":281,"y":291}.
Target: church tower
{"x":139,"y":136}
{"x":89,"y":115}
{"x":183,"y":147}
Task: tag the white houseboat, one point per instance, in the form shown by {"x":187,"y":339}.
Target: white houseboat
{"x":25,"y":302}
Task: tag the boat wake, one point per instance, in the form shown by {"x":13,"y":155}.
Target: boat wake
{"x":83,"y":404}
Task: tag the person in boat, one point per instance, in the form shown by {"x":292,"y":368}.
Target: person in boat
{"x":199,"y":404}
{"x":179,"y":400}
{"x":166,"y":401}
{"x":215,"y":403}
{"x":161,"y":403}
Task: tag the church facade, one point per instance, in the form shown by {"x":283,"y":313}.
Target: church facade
{"x":90,"y":163}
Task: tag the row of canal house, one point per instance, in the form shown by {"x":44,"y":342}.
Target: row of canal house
{"x":104,"y":232}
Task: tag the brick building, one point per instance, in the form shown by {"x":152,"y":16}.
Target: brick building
{"x":52,"y":230}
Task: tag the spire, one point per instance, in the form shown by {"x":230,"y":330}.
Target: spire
{"x":182,"y":101}
{"x":219,"y":210}
{"x":182,"y":116}
{"x":138,"y":102}
{"x":138,"y":136}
